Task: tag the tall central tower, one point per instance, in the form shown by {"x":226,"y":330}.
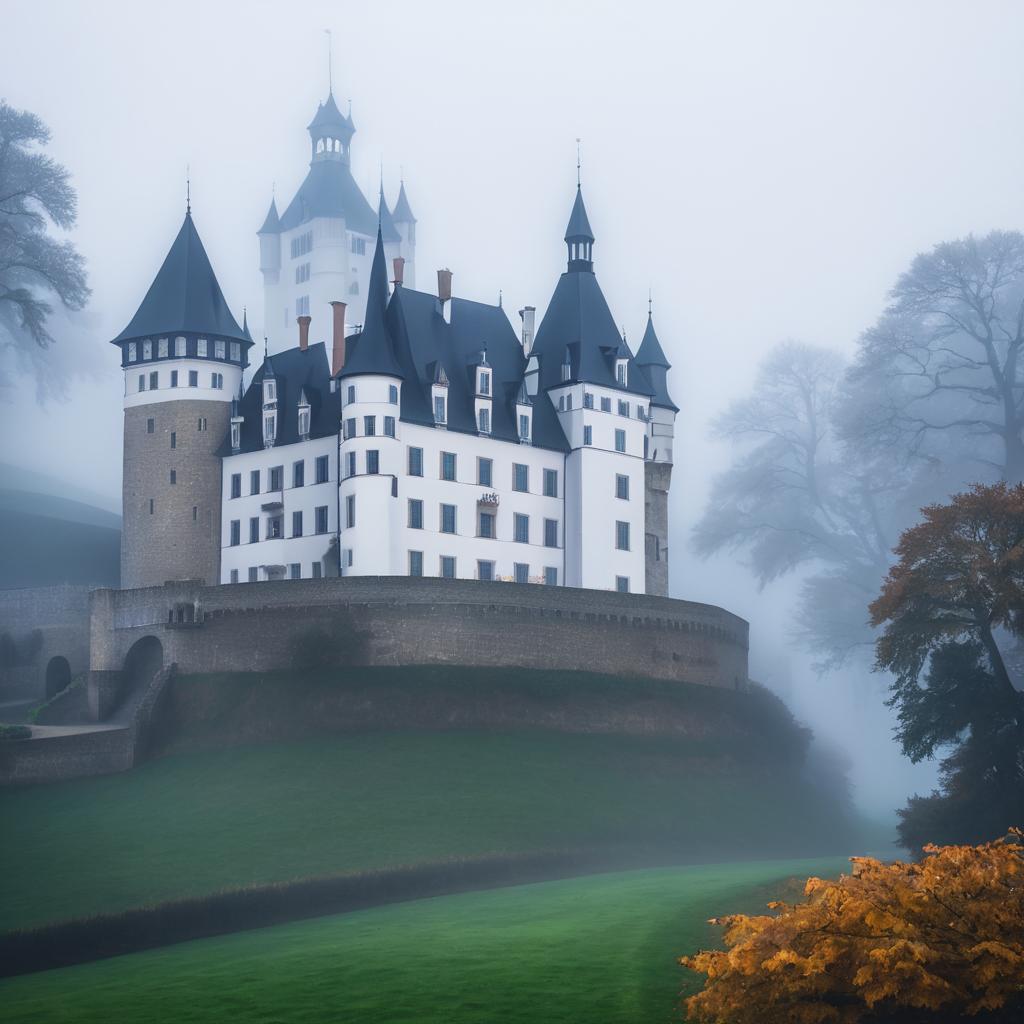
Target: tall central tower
{"x":183,"y":355}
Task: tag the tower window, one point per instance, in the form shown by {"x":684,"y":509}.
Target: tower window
{"x":193,"y":378}
{"x":132,"y":352}
{"x":588,"y":400}
{"x":484,"y":472}
{"x":320,"y":514}
{"x":373,"y":461}
{"x":297,"y":524}
{"x":620,"y":440}
{"x":236,"y":485}
{"x":218,"y":349}
{"x":254,"y":481}
{"x":350,"y":511}
{"x":370,"y":426}
{"x":161,"y":348}
{"x":606,"y":404}
{"x":350,"y":464}
{"x":393,"y":394}
{"x":217,"y":381}
{"x":174,"y":378}
{"x":202,"y":347}
{"x":588,"y":434}
{"x":302,"y":273}
{"x":202,"y":423}
{"x":623,"y":408}
{"x":322,"y":468}
{"x":359,"y":246}
{"x":150,"y":506}
{"x":276,"y":478}
{"x":174,"y":439}
{"x":448,"y":466}
{"x":520,"y":477}
{"x":550,"y":483}
{"x":621,"y":536}
{"x":415,"y":514}
{"x":389,"y":426}
{"x":195,"y":513}
{"x":179,"y":346}
{"x":524,"y":428}
{"x":551,"y":533}
{"x":621,"y":486}
{"x":254,"y":530}
{"x":350,"y":428}
{"x":298,"y":474}
{"x":622,"y":584}
{"x":142,"y":382}
{"x":302,"y":244}
{"x":415,"y":462}
{"x":350,"y":394}
{"x":236,"y":532}
{"x":150,"y":426}
{"x":236,"y":352}
{"x":147,"y":350}
{"x":154,"y":380}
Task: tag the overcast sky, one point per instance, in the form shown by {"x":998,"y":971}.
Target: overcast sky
{"x":767,"y":169}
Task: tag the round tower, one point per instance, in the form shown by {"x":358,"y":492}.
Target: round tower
{"x":183,"y":354}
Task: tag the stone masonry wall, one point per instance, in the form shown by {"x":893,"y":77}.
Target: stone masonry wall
{"x":657,"y":477}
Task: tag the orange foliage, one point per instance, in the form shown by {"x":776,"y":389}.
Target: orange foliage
{"x":943,"y":937}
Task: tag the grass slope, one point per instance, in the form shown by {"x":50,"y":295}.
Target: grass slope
{"x":601,"y":948}
{"x":193,"y":823}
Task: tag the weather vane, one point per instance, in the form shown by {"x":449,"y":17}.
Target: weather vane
{"x":330,"y":69}
{"x":188,"y":188}
{"x":577,"y":163}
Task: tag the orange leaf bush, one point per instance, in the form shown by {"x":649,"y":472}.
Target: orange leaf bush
{"x":935,"y":940}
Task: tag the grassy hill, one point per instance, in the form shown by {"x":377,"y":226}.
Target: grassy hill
{"x":196,"y":822}
{"x":601,"y":948}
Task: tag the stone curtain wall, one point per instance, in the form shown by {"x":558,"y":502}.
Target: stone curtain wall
{"x":253,"y":627}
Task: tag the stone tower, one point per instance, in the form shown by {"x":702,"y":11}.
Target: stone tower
{"x":183,"y":355}
{"x":650,"y":357}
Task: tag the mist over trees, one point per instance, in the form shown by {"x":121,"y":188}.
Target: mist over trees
{"x":36,"y":269}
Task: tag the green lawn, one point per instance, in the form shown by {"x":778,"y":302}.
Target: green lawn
{"x":598,"y":949}
{"x":197,"y":822}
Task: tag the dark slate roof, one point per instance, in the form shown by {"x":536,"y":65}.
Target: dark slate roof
{"x":330,"y":191}
{"x":184,"y":295}
{"x":427,"y":346}
{"x":385,"y":221}
{"x":372,"y":350}
{"x":403,"y":211}
{"x":295,"y":372}
{"x":578,"y":318}
{"x":272,"y":223}
{"x":329,"y":118}
{"x":650,"y":357}
{"x":579,"y":223}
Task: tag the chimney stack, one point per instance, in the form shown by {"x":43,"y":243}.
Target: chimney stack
{"x":444,"y":285}
{"x":399,"y":262}
{"x":527,"y":314}
{"x":338,"y":347}
{"x":304,"y":322}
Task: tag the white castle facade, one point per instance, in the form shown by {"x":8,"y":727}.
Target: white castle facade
{"x":428,"y":437}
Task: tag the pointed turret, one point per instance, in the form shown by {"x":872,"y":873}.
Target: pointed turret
{"x":372,"y":351}
{"x":272,"y":222}
{"x":578,"y":236}
{"x":387,"y":225}
{"x":650,"y":357}
{"x":330,"y":131}
{"x":403,"y":211}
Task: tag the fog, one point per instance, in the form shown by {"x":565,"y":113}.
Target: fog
{"x":765,"y":170}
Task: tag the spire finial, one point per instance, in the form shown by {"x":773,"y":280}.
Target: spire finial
{"x":266,"y":349}
{"x":649,"y":302}
{"x":330,"y":68}
{"x":382,"y":175}
{"x":188,"y":189}
{"x":500,"y":304}
{"x":578,"y":163}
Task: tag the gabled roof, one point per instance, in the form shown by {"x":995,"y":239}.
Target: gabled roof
{"x":403,"y":211}
{"x":271,"y":223}
{"x":387,"y":226}
{"x":184,"y":295}
{"x":330,"y":191}
{"x":372,"y":350}
{"x":296,"y":372}
{"x":650,"y":357}
{"x":579,"y":224}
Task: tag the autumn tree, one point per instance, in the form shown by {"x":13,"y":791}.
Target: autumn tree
{"x":940,"y":940}
{"x":949,"y":607}
{"x":36,"y":268}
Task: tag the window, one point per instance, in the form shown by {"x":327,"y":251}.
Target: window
{"x":193,"y":378}
{"x":439,"y":414}
{"x":150,"y":506}
{"x":588,"y":434}
{"x":297,"y":524}
{"x":370,"y":426}
{"x":622,"y":584}
{"x":620,"y":373}
{"x":299,"y":474}
{"x":236,"y":352}
{"x":201,"y":423}
{"x":174,"y":476}
{"x":275,"y":528}
{"x":150,"y":425}
{"x":132,"y":352}
{"x":322,"y":468}
{"x":179,"y":346}
{"x":484,"y":472}
{"x":234,"y":575}
{"x":389,"y":426}
{"x":350,"y":464}
{"x":154,"y":380}
{"x":236,"y":485}
{"x":568,"y":401}
{"x":373,"y":461}
{"x":295,"y":571}
{"x":623,"y":408}
{"x":415,"y":563}
{"x":550,"y":483}
{"x":218,"y":351}
{"x":276,"y":478}
{"x":195,"y":513}
{"x":606,"y":405}
{"x":350,"y":428}
{"x":447,"y":567}
{"x":303,"y":421}
{"x":484,"y":421}
{"x":174,"y":378}
{"x":350,"y":394}
{"x":621,"y":536}
{"x":622,"y":486}
{"x":551,"y":533}
{"x":217,"y":381}
{"x":320,"y":515}
{"x":447,"y":465}
{"x":254,"y":530}
{"x":588,"y":400}
{"x":350,"y":511}
{"x":522,"y":572}
{"x":550,"y":576}
{"x":487,"y":525}
{"x":318,"y":570}
{"x":236,"y":532}
{"x":202,"y":347}
{"x":254,"y":481}
{"x":142,"y":382}
{"x":524,"y":428}
{"x":393,"y":394}
{"x":147,"y":350}
{"x":302,"y":244}
{"x":415,"y":514}
{"x":359,"y":246}
{"x":521,"y":528}
{"x":415,"y":462}
{"x":302,"y":273}
{"x":485,"y":383}
{"x":561,"y":403}
{"x":161,"y":348}
{"x":520,"y":477}
{"x":302,"y":305}
{"x":620,"y":440}
{"x":448,"y":519}
{"x":485,"y":570}
{"x":254,"y":574}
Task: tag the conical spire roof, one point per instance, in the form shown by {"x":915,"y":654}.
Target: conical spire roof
{"x":372,"y":351}
{"x":650,"y":357}
{"x":328,"y":116}
{"x":272,"y":223}
{"x":387,"y":225}
{"x":403,"y":211}
{"x":184,"y":295}
{"x":578,"y":229}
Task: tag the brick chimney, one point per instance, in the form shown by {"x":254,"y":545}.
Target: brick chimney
{"x":338,"y":346}
{"x":304,"y":322}
{"x":399,"y":262}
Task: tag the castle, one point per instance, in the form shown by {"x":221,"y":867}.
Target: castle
{"x":432,"y":439}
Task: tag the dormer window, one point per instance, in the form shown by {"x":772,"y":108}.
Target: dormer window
{"x":484,"y":421}
{"x":566,"y":367}
{"x":304,"y":421}
{"x":269,"y":429}
{"x":269,"y":391}
{"x":620,"y":372}
{"x":440,"y":409}
{"x":524,"y":427}
{"x":236,"y":435}
{"x":483,"y":382}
